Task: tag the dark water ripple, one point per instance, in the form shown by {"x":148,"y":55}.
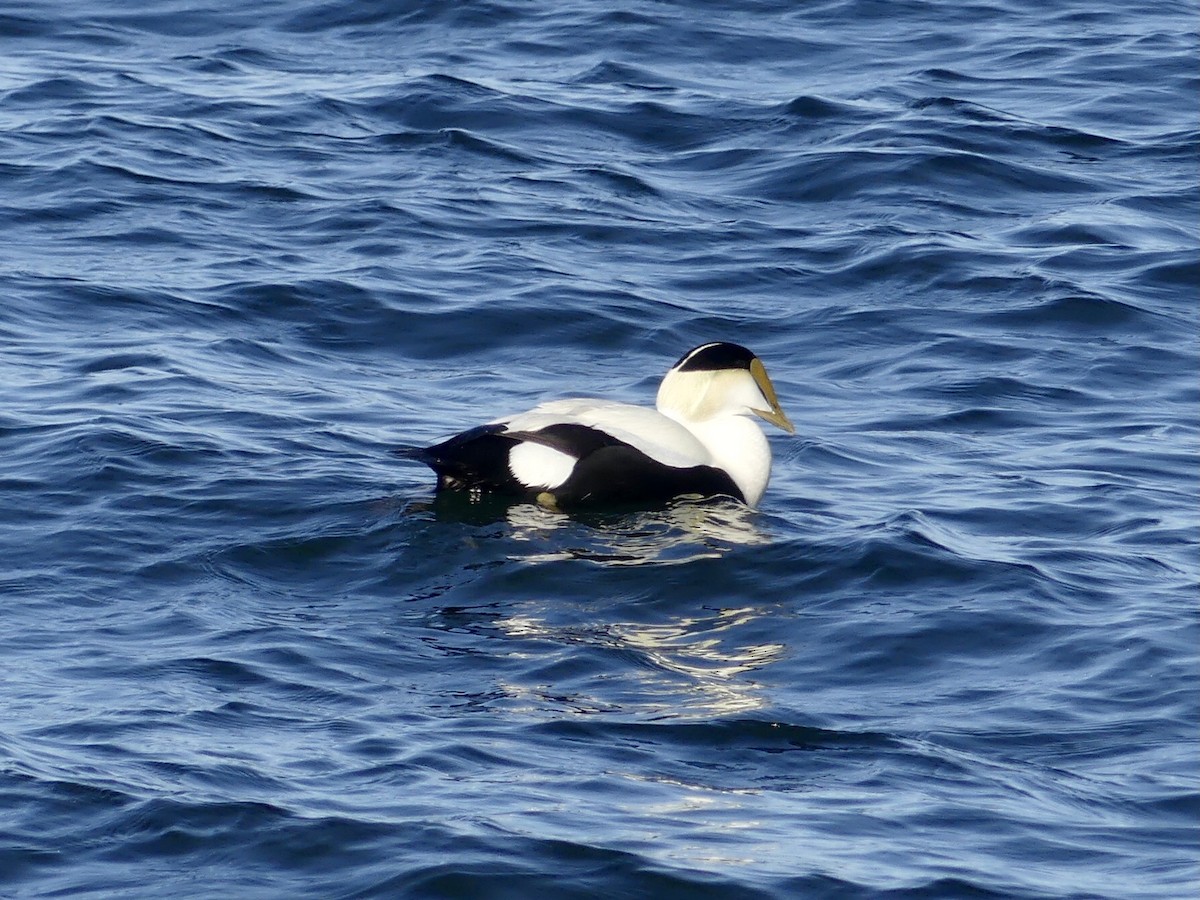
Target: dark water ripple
{"x":248,"y":250}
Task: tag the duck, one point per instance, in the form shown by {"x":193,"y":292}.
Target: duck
{"x":701,"y":439}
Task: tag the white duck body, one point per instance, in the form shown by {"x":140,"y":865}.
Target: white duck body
{"x":700,"y":440}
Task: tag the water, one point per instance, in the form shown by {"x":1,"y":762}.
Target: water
{"x":250,"y":249}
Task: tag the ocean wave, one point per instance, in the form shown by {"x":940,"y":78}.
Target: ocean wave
{"x":249,"y":251}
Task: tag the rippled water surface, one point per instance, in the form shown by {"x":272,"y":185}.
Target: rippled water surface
{"x":248,"y":249}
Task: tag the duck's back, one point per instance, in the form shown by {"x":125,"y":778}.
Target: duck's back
{"x":647,"y":430}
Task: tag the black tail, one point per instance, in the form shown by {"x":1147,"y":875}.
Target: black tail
{"x":475,"y":458}
{"x":420,"y":454}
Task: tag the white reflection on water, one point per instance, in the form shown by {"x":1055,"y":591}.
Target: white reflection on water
{"x":681,"y":533}
{"x":687,"y":666}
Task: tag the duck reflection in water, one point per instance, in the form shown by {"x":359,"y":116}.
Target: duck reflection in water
{"x":684,"y":530}
{"x":694,"y":665}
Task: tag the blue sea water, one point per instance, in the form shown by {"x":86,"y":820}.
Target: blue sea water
{"x":248,"y":249}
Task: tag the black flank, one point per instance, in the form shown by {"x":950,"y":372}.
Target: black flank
{"x":623,"y":475}
{"x":608,"y":472}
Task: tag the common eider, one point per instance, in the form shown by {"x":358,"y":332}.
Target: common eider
{"x":700,"y":440}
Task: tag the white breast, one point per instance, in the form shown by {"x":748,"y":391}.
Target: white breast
{"x":739,"y":447}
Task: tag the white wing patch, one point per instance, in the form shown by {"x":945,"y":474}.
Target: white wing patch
{"x":658,"y":436}
{"x":538,"y":466}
